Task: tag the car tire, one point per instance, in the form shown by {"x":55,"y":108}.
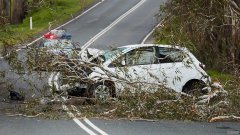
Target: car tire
{"x":102,"y":91}
{"x":194,"y":88}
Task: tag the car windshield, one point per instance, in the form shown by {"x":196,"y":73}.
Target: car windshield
{"x":110,"y":53}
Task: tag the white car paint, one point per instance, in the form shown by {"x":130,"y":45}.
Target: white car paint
{"x":173,"y":75}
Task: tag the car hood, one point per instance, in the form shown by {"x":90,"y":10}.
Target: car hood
{"x":91,"y":53}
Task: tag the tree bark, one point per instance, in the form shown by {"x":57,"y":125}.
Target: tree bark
{"x":18,"y":11}
{"x":4,"y":11}
{"x":235,"y":11}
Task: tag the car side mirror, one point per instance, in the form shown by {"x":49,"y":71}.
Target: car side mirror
{"x":123,"y":63}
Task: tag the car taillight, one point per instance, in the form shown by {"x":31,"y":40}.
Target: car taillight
{"x":202,"y":65}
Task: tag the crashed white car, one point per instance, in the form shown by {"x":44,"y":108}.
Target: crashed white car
{"x":149,"y":65}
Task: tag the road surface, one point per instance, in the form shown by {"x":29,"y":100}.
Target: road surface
{"x":27,"y":126}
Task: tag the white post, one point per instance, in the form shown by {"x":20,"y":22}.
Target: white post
{"x":30,"y":23}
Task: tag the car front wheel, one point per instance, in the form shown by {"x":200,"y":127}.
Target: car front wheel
{"x":102,"y":91}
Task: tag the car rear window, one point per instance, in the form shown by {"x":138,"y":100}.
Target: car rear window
{"x":168,"y":55}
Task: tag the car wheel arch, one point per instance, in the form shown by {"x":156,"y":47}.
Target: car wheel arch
{"x":190,"y":82}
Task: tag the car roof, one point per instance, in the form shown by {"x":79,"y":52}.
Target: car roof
{"x":148,"y":45}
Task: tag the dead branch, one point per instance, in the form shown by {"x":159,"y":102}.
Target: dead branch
{"x":234,"y":4}
{"x":166,"y":101}
{"x":24,"y":115}
{"x":110,"y":111}
{"x":141,"y":119}
{"x":224,"y":118}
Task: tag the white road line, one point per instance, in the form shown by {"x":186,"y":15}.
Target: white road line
{"x":83,"y":127}
{"x":150,"y":33}
{"x":94,"y":127}
{"x":112,"y":25}
{"x":78,"y":122}
{"x":34,"y":41}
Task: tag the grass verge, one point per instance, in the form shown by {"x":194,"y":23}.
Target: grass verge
{"x":55,"y":13}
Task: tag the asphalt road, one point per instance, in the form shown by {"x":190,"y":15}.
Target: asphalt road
{"x":111,"y":23}
{"x":27,"y":126}
{"x":133,"y":28}
{"x":90,"y":24}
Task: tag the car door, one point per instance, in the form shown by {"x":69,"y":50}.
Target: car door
{"x":173,"y":66}
{"x":139,"y":68}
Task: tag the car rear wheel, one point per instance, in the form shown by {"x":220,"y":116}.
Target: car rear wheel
{"x":195,"y":88}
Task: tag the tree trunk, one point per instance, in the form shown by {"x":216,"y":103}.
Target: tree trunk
{"x":4,"y":11}
{"x":235,"y":11}
{"x":18,"y":11}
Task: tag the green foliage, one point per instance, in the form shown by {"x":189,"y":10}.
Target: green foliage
{"x":220,"y":76}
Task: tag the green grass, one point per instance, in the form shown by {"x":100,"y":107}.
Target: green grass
{"x":56,"y":13}
{"x":219,"y":76}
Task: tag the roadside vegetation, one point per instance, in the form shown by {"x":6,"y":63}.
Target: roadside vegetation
{"x":212,"y":32}
{"x":209,"y":28}
{"x":45,"y":14}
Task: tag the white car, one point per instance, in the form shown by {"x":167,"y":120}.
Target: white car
{"x":148,"y":65}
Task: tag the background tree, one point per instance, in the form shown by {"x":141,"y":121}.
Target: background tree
{"x":209,"y":27}
{"x":4,"y":11}
{"x":13,"y":11}
{"x":18,"y":11}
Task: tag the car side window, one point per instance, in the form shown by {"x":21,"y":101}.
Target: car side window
{"x":141,"y":56}
{"x":169,"y":55}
